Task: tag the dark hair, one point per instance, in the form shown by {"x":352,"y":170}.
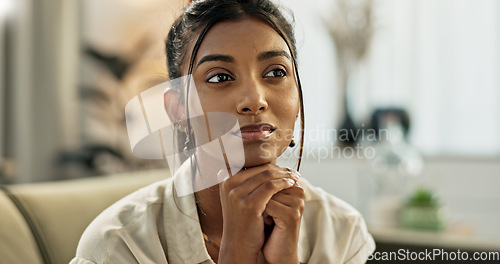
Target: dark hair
{"x":199,"y":16}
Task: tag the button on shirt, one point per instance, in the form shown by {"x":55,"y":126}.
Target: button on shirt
{"x":154,"y":225}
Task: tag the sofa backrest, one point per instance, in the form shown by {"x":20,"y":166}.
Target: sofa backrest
{"x":17,"y":244}
{"x":55,"y":214}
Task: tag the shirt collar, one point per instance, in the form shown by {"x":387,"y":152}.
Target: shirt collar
{"x":304,"y":251}
{"x":184,"y":237}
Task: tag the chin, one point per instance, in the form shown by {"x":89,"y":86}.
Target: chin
{"x":257,"y":161}
{"x":262,"y":154}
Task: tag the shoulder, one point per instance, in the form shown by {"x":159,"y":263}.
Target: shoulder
{"x":321,"y":202}
{"x":336,"y":232}
{"x":123,"y":225}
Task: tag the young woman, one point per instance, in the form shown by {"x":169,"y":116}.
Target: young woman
{"x":241,"y":56}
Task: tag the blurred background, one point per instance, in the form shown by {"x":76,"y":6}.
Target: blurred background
{"x":402,"y":103}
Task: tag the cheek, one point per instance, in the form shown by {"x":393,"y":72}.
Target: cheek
{"x":287,"y":109}
{"x":212,"y":102}
{"x":286,"y":113}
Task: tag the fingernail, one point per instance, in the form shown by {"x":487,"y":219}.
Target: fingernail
{"x":290,"y":181}
{"x":295,"y":175}
{"x":222,"y":176}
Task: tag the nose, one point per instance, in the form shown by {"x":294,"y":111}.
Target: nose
{"x":253,"y":100}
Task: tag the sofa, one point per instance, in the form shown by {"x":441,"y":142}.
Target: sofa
{"x":41,"y":223}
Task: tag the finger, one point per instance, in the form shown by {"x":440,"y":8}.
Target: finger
{"x":262,"y":194}
{"x":289,"y":200}
{"x":245,"y":174}
{"x":283,"y":214}
{"x":274,"y":172}
{"x":259,"y":179}
{"x":296,"y":190}
{"x":264,"y":172}
{"x":250,"y":185}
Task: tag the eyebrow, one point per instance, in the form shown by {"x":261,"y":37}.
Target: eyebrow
{"x":262,"y":56}
{"x":273,"y":53}
{"x":215,"y":57}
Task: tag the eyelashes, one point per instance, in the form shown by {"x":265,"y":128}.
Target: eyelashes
{"x":220,"y":78}
{"x":277,"y":73}
{"x":224,"y":77}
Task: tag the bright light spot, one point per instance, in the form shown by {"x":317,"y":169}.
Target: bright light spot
{"x":5,"y":7}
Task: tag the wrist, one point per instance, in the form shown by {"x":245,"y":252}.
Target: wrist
{"x":288,"y":261}
{"x":294,"y":259}
{"x":234,"y":255}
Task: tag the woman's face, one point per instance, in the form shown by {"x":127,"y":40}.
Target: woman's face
{"x":245,"y":68}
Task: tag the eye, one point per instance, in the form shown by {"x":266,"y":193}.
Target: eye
{"x":278,"y":73}
{"x":219,"y":78}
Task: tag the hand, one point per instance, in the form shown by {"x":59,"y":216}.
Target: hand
{"x":286,"y":209}
{"x":244,"y":199}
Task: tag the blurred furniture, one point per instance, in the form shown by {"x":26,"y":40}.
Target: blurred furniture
{"x":42,"y":222}
{"x":453,"y":237}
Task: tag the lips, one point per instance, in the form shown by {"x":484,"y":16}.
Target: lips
{"x":256,"y":132}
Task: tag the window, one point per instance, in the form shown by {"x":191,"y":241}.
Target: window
{"x":440,"y":60}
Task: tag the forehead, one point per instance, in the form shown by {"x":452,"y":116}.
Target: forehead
{"x":242,"y":37}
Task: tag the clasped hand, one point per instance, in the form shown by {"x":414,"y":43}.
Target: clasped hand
{"x":265,"y":197}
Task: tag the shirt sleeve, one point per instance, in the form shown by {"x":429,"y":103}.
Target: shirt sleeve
{"x":334,"y":232}
{"x":364,"y":252}
{"x":78,"y":260}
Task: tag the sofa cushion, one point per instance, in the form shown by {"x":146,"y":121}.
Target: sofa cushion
{"x":62,"y":210}
{"x":17,"y":244}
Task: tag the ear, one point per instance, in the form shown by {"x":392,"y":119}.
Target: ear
{"x":172,"y":104}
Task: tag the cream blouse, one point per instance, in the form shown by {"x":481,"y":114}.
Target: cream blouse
{"x":154,"y":225}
